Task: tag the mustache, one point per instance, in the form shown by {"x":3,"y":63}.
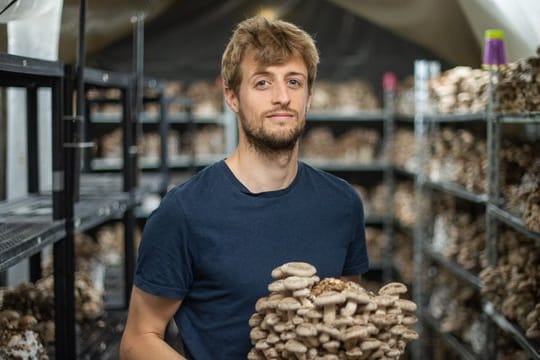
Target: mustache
{"x":281,"y":109}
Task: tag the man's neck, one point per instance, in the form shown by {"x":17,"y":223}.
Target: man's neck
{"x":263,"y":172}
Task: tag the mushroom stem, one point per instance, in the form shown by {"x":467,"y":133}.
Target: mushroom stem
{"x":329,"y":315}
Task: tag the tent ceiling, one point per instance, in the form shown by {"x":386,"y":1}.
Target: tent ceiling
{"x":356,"y":38}
{"x":439,"y":25}
{"x":186,"y":39}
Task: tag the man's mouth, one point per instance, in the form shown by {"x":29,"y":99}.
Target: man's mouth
{"x":280,"y":115}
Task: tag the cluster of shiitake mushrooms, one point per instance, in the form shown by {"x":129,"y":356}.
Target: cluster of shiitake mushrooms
{"x":530,"y":197}
{"x":518,"y":89}
{"x":352,"y":95}
{"x":19,"y":338}
{"x":513,"y":285}
{"x":459,"y":235}
{"x":459,"y":156}
{"x":464,"y":89}
{"x":304,"y":317}
{"x":33,"y":304}
{"x":357,"y":145}
{"x":460,"y":89}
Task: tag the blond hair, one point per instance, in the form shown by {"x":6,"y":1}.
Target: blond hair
{"x":273,"y":42}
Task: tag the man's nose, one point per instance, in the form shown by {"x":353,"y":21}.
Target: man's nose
{"x":280,"y":95}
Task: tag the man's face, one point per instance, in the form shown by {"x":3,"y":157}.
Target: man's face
{"x":272,"y":103}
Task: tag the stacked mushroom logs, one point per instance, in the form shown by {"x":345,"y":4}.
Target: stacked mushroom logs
{"x":304,"y":317}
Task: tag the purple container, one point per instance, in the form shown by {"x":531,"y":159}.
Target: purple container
{"x":494,"y":51}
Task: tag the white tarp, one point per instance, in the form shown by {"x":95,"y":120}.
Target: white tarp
{"x":33,"y":29}
{"x":520,"y":20}
{"x":454,"y":30}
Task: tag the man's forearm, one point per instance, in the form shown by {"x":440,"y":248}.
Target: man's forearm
{"x":148,"y":346}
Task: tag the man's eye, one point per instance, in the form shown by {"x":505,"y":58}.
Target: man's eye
{"x":262,"y":83}
{"x":295,"y":82}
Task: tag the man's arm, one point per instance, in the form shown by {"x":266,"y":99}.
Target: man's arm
{"x":148,"y":316}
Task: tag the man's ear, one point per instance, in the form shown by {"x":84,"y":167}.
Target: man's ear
{"x":231,"y":99}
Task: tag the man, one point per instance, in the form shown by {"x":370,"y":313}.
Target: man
{"x":208,"y":251}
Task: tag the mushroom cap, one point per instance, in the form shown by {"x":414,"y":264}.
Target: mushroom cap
{"x":354,"y":352}
{"x":398,"y":329}
{"x":384,"y":336}
{"x":298,"y":269}
{"x":272,"y":338}
{"x":328,"y":284}
{"x":330,"y":357}
{"x":306,"y":329}
{"x":344,"y":320}
{"x":295,"y":283}
{"x":393,"y":353}
{"x":276,"y":286}
{"x":330,"y":330}
{"x":356,"y":332}
{"x":329,"y":298}
{"x":255,"y":355}
{"x":273,"y":300}
{"x":295,"y":346}
{"x":261,"y":345}
{"x":359,"y":297}
{"x":271,"y":318}
{"x":314,"y":314}
{"x":289,"y":303}
{"x":261,"y":304}
{"x":380,"y":319}
{"x":409,"y":320}
{"x":331,"y":345}
{"x":303,"y":311}
{"x":257,"y":334}
{"x":305,"y":292}
{"x":27,"y":322}
{"x":409,"y":334}
{"x":393,"y":288}
{"x":371,"y":306}
{"x":385,"y":300}
{"x":255,"y":319}
{"x":277,"y":273}
{"x":370,"y":344}
{"x":406,"y":305}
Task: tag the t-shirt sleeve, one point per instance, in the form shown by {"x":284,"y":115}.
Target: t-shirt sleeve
{"x":164,"y":260}
{"x":357,"y":262}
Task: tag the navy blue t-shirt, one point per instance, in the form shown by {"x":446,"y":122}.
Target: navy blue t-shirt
{"x":213,"y":244}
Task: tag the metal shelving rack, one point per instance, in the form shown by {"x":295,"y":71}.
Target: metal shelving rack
{"x":28,"y":225}
{"x":382,"y":166}
{"x":494,"y":211}
{"x":118,"y":191}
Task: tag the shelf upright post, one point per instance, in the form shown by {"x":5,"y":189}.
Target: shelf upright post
{"x":493,"y":190}
{"x":493,"y":58}
{"x":64,"y":267}
{"x":138,"y":72}
{"x":164,"y":143}
{"x":389,"y":87}
{"x":129,"y":183}
{"x":421,"y":99}
{"x":32,"y":147}
{"x":132,"y":108}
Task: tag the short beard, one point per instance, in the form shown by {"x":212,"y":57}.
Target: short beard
{"x":268,"y":144}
